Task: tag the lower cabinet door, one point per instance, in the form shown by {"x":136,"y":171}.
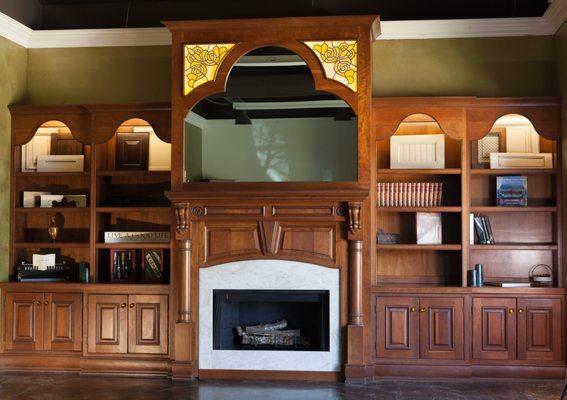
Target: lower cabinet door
{"x":62,"y":321}
{"x":107,"y":323}
{"x":441,"y":326}
{"x":397,"y":327}
{"x":539,"y":329}
{"x":147,"y":324}
{"x":24,"y":321}
{"x":494,"y":328}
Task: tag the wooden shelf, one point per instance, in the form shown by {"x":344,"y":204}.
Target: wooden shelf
{"x":49,"y":245}
{"x":421,"y":209}
{"x":494,"y":209}
{"x":132,"y":209}
{"x":134,"y":173}
{"x":52,"y":174}
{"x":513,"y":246}
{"x":132,"y":246}
{"x":444,"y":171}
{"x":417,"y":247}
{"x":30,"y":210}
{"x":516,"y":171}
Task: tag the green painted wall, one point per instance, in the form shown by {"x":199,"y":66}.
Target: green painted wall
{"x":13,"y":80}
{"x":99,"y":75}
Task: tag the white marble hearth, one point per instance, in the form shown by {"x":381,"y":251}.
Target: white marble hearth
{"x":268,"y":275}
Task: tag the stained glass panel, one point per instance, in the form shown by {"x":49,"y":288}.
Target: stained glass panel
{"x":339,"y":60}
{"x":201,"y":63}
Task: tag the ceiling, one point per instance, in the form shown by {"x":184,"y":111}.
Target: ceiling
{"x":90,"y":14}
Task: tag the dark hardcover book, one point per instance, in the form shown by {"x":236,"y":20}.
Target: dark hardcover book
{"x":480,"y":230}
{"x":488,"y":229}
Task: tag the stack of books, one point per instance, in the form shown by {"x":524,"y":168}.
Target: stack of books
{"x":410,"y":194}
{"x":480,"y":224}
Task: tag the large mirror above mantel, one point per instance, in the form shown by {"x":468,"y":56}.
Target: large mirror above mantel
{"x":271,"y":125}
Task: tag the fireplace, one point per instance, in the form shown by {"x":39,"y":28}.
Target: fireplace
{"x":271,"y":320}
{"x":253,"y":292}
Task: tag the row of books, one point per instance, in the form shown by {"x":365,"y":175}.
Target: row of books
{"x":480,"y":225}
{"x":410,"y":194}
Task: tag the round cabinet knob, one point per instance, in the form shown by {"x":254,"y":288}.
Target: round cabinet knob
{"x":520,"y":310}
{"x":413,"y":309}
{"x":511,"y":310}
{"x":123,"y":305}
{"x":46,"y":302}
{"x":132,"y":305}
{"x":38,"y":303}
{"x":422,"y":310}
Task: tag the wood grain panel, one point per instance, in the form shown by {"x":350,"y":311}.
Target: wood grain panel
{"x":147,"y":324}
{"x":107,"y":324}
{"x":494,"y":328}
{"x":441,"y":328}
{"x":63,"y":322}
{"x":235,"y":210}
{"x":539,"y":329}
{"x":24,"y":321}
{"x":303,"y":211}
{"x":230,"y":240}
{"x":308,"y":241}
{"x":397,"y":327}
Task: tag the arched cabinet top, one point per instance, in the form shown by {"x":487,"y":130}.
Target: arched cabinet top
{"x":89,"y":124}
{"x":543,"y":113}
{"x":27,"y":119}
{"x":389,"y":112}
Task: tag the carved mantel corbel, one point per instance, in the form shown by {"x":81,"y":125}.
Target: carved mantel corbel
{"x":182,"y":217}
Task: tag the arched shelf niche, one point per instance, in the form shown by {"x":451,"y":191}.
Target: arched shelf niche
{"x":270,"y":123}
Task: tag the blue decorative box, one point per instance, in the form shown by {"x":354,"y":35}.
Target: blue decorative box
{"x":512,"y":191}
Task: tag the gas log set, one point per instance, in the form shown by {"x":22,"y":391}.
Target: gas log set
{"x":272,"y":335}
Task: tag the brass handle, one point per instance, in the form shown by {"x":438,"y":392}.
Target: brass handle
{"x":422,"y":310}
{"x":123,"y":305}
{"x":132,"y":305}
{"x":520,"y":310}
{"x":46,"y":302}
{"x":413,"y":309}
{"x":511,"y":310}
{"x":38,"y":303}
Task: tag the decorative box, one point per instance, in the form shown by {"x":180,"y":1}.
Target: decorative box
{"x":60,"y":163}
{"x":417,"y":151}
{"x":521,"y":160}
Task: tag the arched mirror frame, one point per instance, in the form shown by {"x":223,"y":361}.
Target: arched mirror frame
{"x":277,"y":33}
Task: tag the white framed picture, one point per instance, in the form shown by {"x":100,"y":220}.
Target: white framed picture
{"x":428,"y":228}
{"x":417,"y":151}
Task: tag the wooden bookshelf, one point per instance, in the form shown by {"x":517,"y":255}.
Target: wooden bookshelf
{"x":117,"y":199}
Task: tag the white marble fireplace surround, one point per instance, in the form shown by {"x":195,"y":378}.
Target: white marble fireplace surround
{"x":268,"y":275}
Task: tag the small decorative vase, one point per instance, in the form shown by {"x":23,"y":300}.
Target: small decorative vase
{"x":53,"y":229}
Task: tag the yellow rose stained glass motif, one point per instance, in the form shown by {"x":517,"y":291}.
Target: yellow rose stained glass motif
{"x":201,"y":63}
{"x":339,"y":60}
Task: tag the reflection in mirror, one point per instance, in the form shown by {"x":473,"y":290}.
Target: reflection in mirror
{"x":513,"y":142}
{"x":139,"y":148}
{"x":52,"y":138}
{"x":271,"y":125}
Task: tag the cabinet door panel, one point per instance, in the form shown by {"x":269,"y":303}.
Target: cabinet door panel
{"x":107,"y":324}
{"x":441,"y":328}
{"x":147,"y":324}
{"x":63,"y":322}
{"x":494,"y":328}
{"x":397,"y":327}
{"x":24,"y":321}
{"x":539,"y":329}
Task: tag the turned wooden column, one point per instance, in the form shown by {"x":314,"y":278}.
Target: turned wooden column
{"x":355,"y":286}
{"x":355,"y":264}
{"x":184,"y":297}
{"x":184,"y":266}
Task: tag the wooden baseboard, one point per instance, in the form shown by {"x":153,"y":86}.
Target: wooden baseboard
{"x":405,"y":371}
{"x":327,"y":376}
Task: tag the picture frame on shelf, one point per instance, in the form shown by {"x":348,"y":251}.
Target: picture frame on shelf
{"x":417,"y":151}
{"x":152,"y":265}
{"x":493,"y":142}
{"x":521,"y":160}
{"x":428,"y":228}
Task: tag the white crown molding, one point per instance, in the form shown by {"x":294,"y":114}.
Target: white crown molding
{"x":552,"y":20}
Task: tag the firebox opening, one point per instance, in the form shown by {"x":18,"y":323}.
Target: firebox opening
{"x":271,"y":320}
